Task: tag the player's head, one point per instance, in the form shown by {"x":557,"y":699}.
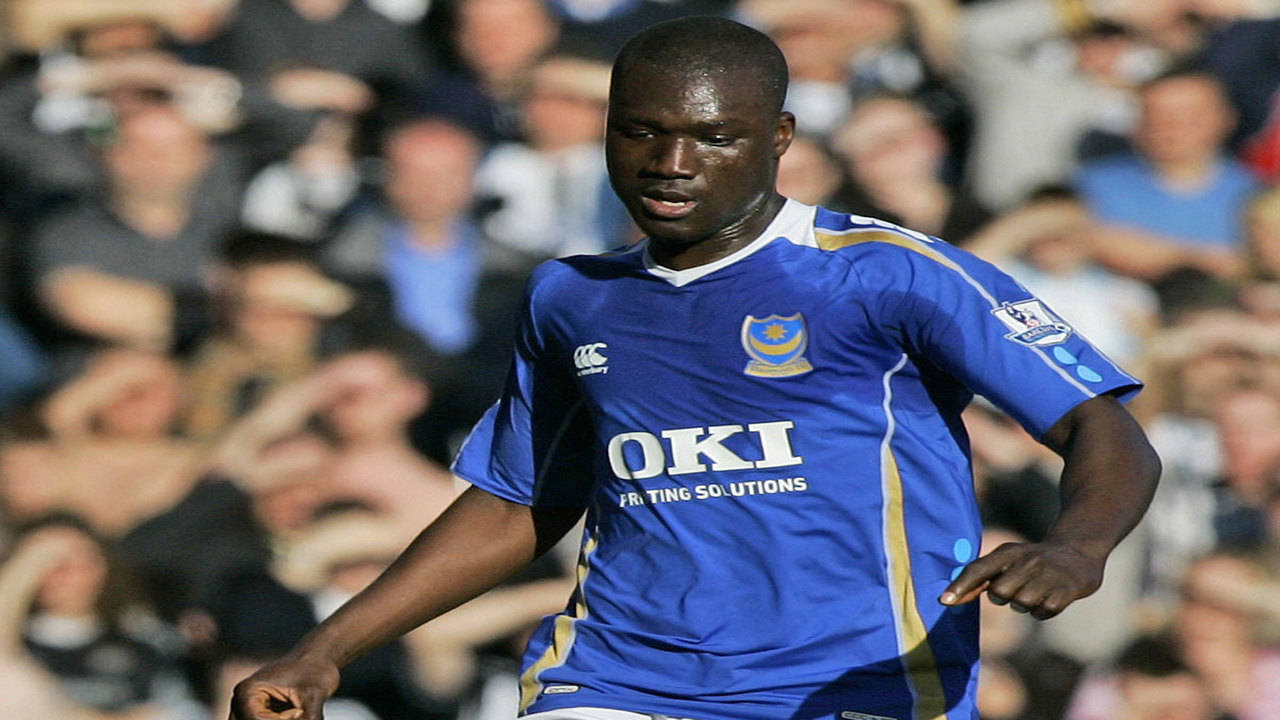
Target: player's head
{"x":696,"y":126}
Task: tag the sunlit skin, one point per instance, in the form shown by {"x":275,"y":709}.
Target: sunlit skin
{"x":1183,"y":123}
{"x":430,"y":172}
{"x":157,"y":156}
{"x":694,"y":159}
{"x":72,"y":587}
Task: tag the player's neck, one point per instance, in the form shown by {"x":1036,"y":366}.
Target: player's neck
{"x":724,"y":242}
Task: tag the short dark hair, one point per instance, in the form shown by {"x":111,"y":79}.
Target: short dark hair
{"x":412,"y":355}
{"x":1152,"y":656}
{"x":1191,"y":68}
{"x":248,"y":248}
{"x":708,"y":45}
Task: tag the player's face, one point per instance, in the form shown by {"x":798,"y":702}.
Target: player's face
{"x":693,"y":158}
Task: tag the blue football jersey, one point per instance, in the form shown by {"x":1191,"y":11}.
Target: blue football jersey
{"x":777,"y":481}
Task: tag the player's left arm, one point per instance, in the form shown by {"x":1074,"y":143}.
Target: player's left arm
{"x":1107,"y":482}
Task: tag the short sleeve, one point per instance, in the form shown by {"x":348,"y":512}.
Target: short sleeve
{"x":536,"y":445}
{"x":985,"y":329}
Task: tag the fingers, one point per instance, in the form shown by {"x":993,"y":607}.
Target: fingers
{"x":267,"y":703}
{"x":978,"y":575}
{"x":1035,"y":579}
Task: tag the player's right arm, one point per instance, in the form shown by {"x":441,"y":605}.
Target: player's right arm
{"x":478,"y":542}
{"x":529,"y":460}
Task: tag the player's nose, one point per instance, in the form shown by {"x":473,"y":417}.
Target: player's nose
{"x":673,"y":157}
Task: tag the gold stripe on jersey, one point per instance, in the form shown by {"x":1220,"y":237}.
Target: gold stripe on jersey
{"x":913,"y":635}
{"x":562,"y":635}
{"x":835,"y":241}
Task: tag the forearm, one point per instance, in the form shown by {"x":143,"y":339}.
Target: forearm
{"x":477,"y":543}
{"x":38,"y":24}
{"x":1108,"y":479}
{"x":284,"y":412}
{"x":122,"y":310}
{"x":1149,"y":257}
{"x":20,"y":578}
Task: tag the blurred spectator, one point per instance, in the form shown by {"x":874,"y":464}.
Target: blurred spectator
{"x":1226,"y":600}
{"x":301,"y":195}
{"x":274,"y":301}
{"x":1214,"y":640}
{"x":1247,"y":422}
{"x":841,"y":52}
{"x":1039,"y":79}
{"x":1156,"y":685}
{"x":894,"y":154}
{"x":109,"y":455}
{"x":335,"y":55}
{"x":27,"y":688}
{"x":364,"y":401}
{"x":422,"y":241}
{"x":421,"y":244}
{"x":1178,"y":200}
{"x":1194,"y":367}
{"x":1048,"y":245}
{"x":1237,"y":51}
{"x":608,"y":24}
{"x":125,"y":268}
{"x":120,"y":394}
{"x":1260,"y":293}
{"x":41,"y":24}
{"x":494,"y":45}
{"x":79,"y":624}
{"x":184,"y":554}
{"x":809,"y":173}
{"x":51,"y":118}
{"x":551,"y":192}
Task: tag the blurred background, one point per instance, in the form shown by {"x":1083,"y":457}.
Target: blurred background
{"x":260,"y":260}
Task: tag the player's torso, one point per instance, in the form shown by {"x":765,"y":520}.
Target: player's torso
{"x":739,"y":517}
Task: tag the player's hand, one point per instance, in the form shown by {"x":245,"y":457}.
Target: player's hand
{"x":1037,"y":578}
{"x":288,"y":689}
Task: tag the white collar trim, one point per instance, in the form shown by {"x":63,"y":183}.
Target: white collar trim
{"x":794,"y":218}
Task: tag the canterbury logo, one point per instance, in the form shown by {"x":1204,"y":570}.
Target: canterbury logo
{"x":589,"y":360}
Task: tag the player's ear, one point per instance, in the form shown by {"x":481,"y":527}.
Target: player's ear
{"x":784,"y":131}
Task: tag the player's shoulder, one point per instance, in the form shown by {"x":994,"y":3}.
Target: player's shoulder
{"x":575,"y":272}
{"x":875,"y":246}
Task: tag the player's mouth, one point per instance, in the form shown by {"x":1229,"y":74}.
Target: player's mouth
{"x":667,"y":204}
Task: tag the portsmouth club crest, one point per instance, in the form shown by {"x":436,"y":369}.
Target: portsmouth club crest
{"x":776,"y":345}
{"x":1032,"y":324}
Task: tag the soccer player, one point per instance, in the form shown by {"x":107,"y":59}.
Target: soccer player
{"x":758,"y":408}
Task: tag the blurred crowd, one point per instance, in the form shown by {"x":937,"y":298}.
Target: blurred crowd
{"x":261,"y":261}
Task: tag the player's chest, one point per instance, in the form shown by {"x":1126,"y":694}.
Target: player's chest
{"x":750,"y":345}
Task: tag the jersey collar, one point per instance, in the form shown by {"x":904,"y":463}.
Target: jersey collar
{"x":793,"y":219}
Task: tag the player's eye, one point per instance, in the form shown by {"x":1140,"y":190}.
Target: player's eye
{"x":637,"y":133}
{"x":719,"y":139}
